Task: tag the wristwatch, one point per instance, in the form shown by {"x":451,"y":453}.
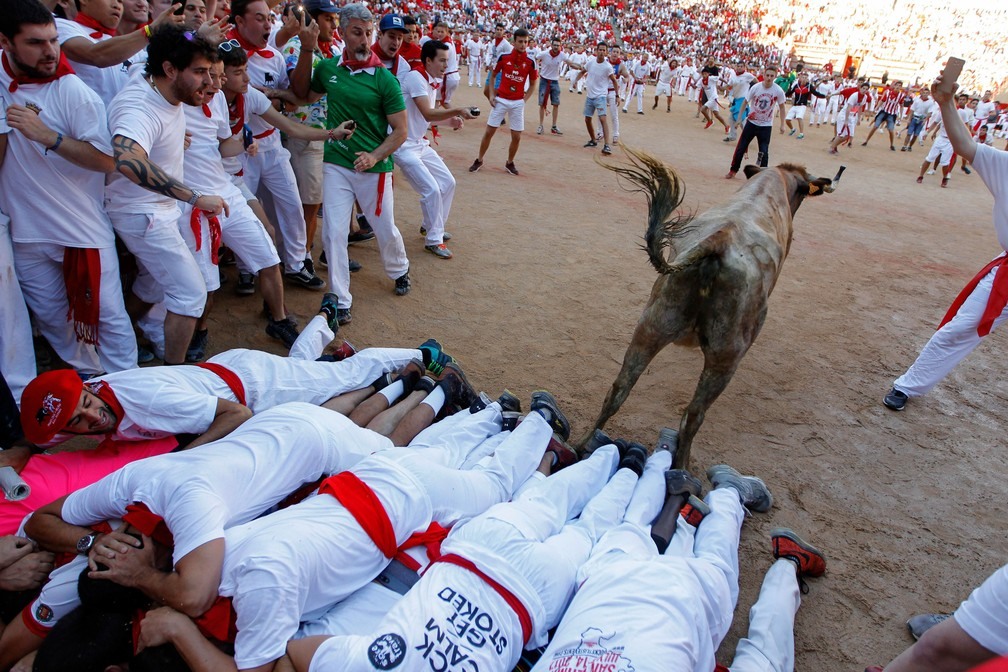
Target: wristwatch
{"x":196,"y":195}
{"x":86,"y":543}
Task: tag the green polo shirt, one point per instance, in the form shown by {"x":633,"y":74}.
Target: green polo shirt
{"x":368,"y":99}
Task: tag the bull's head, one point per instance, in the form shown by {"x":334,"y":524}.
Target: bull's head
{"x":800,"y":184}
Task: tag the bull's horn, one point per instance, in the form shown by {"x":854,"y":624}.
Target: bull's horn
{"x":830,"y":188}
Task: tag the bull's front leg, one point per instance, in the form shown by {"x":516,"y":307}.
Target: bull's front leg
{"x":718,"y":371}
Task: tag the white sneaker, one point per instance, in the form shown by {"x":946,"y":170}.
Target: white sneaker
{"x":930,"y":172}
{"x":539,"y":131}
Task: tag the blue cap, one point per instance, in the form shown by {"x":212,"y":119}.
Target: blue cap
{"x":313,"y":6}
{"x":392,"y":22}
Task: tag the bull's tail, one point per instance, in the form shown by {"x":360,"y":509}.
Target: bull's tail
{"x":664,"y":191}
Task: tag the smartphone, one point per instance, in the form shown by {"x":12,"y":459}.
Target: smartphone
{"x":475,"y":111}
{"x":300,"y":14}
{"x":247,"y":137}
{"x":950,"y":75}
{"x":180,"y":11}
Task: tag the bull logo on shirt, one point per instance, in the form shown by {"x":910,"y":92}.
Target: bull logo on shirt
{"x":50,"y":410}
{"x":269,"y":78}
{"x":387,"y":651}
{"x":592,"y":654}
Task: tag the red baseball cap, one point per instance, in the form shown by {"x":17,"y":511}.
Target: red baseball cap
{"x":48,"y":403}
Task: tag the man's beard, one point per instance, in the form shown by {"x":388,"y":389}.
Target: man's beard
{"x":29,"y":71}
{"x":188,"y":95}
{"x":362,"y":53}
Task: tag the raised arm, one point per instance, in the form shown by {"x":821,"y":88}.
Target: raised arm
{"x":115,"y":50}
{"x":959,"y":134}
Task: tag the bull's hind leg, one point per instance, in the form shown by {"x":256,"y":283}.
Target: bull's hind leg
{"x":646,"y":343}
{"x":718,"y":371}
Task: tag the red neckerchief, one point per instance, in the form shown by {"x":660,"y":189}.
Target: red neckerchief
{"x":249,"y":48}
{"x":196,"y":225}
{"x":98,"y":28}
{"x":236,"y":114}
{"x":82,"y":277}
{"x":326,"y":48}
{"x":206,"y":111}
{"x":148,"y":523}
{"x":497,"y":40}
{"x":350,"y":64}
{"x":102,"y":390}
{"x":62,"y":69}
{"x":395,"y":59}
{"x":423,"y":71}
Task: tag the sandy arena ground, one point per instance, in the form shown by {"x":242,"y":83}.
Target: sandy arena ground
{"x":548,"y":281}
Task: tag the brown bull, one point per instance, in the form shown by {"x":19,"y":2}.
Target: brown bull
{"x":715,"y":280}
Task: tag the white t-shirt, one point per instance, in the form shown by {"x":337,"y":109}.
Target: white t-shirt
{"x":498,"y":50}
{"x":106,"y":82}
{"x":256,"y":103}
{"x":922,"y":108}
{"x":640,"y":71}
{"x":204,"y":168}
{"x":416,"y":85}
{"x":450,"y":617}
{"x":983,"y":110}
{"x":598,"y":77}
{"x":992,"y":167}
{"x":201,"y":492}
{"x":667,"y":73}
{"x":762,"y":103}
{"x":50,"y":199}
{"x":453,"y":61}
{"x":549,"y":65}
{"x":740,"y":84}
{"x":142,"y":114}
{"x":269,"y":73}
{"x":473,"y":49}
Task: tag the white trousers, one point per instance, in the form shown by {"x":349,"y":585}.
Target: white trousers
{"x":612,"y":112}
{"x":341,"y":187}
{"x":451,"y":83}
{"x":427,"y":173}
{"x":272,"y":170}
{"x":819,"y":111}
{"x":769,"y":645}
{"x":950,"y":344}
{"x":40,"y":270}
{"x":831,"y":108}
{"x":474,"y":72}
{"x":17,"y":354}
{"x":638,"y":93}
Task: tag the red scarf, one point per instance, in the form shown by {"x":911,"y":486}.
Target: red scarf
{"x":350,"y":64}
{"x":430,"y":539}
{"x":82,"y":277}
{"x":423,"y":71}
{"x":996,"y":302}
{"x":229,"y":377}
{"x":364,"y":505}
{"x":103,"y":391}
{"x":236,"y":112}
{"x":215,"y":232}
{"x":326,"y":48}
{"x":62,"y":69}
{"x":98,"y":28}
{"x":148,"y":523}
{"x":249,"y":48}
{"x":206,"y":111}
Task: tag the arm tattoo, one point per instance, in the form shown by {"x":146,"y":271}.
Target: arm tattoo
{"x":132,"y":161}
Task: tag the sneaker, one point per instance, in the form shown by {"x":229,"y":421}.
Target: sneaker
{"x":864,"y":144}
{"x":727,"y":138}
{"x":197,"y":346}
{"x":597,"y":439}
{"x":353,"y":265}
{"x":246,"y":284}
{"x":966,"y":170}
{"x":459,"y":393}
{"x":730,"y":175}
{"x":446,"y":236}
{"x":708,"y":124}
{"x":639,"y":112}
{"x":921,"y":623}
{"x":606,"y":149}
{"x":305,"y":279}
{"x":227,"y":257}
{"x":920,"y":180}
{"x":801,"y":136}
{"x":591,"y":143}
{"x":539,"y":131}
{"x":476,"y":165}
{"x":892,"y":148}
{"x":309,"y":264}
{"x":330,"y":309}
{"x":322,"y":261}
{"x":787,"y":544}
{"x":283,"y":330}
{"x":363,"y":223}
{"x":909,"y":149}
{"x":434,"y":356}
{"x":833,"y":151}
{"x":402,"y":284}
{"x":895,"y":400}
{"x":510,"y":167}
{"x":681,"y":482}
{"x":439,"y":251}
{"x":694,"y":510}
{"x":563,"y":454}
{"x":411,"y":374}
{"x":546,"y":405}
{"x":668,"y":439}
{"x":930,"y":172}
{"x":945,"y":182}
{"x":144,"y":356}
{"x":555,"y":131}
{"x":345,"y":350}
{"x":509,"y":403}
{"x":792,"y":132}
{"x":343,"y":316}
{"x":752,"y":491}
{"x":634,"y":459}
{"x":360,"y":236}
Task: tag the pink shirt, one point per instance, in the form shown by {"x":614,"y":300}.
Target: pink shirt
{"x":53,"y":476}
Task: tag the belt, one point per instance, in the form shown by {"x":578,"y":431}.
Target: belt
{"x":519,"y":609}
{"x":229,"y":377}
{"x":364,"y":505}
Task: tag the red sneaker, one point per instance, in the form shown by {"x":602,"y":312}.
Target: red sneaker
{"x":787,"y":544}
{"x":708,"y":124}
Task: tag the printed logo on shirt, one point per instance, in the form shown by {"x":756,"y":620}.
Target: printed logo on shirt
{"x":50,"y":410}
{"x":269,"y":78}
{"x":34,"y":108}
{"x":592,"y":654}
{"x":43,"y":613}
{"x":387,"y":651}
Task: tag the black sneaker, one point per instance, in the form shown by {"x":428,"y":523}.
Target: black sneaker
{"x":895,"y":400}
{"x":363,"y":223}
{"x":752,"y":491}
{"x":361,"y":236}
{"x":282,"y":330}
{"x":668,"y":439}
{"x":402,"y":284}
{"x":596,"y":441}
{"x":197,"y":346}
{"x":307,"y":280}
{"x":343,"y":316}
{"x":459,"y":393}
{"x":309,"y":264}
{"x":476,"y":165}
{"x":353,"y":265}
{"x":591,"y":143}
{"x":434,"y":356}
{"x":635,"y":459}
{"x":411,"y":374}
{"x":322,"y":260}
{"x":510,"y":167}
{"x":246,"y":284}
{"x":546,"y":405}
{"x":509,"y":403}
{"x":681,"y":482}
{"x":330,"y":309}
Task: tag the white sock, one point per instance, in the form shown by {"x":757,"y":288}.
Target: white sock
{"x":435,"y":399}
{"x":393,"y":391}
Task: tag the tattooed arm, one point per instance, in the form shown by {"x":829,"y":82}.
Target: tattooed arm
{"x":132,"y":161}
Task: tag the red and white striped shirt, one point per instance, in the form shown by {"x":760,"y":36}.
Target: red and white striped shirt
{"x":890,"y":101}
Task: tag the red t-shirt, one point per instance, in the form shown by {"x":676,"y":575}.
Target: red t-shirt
{"x":514,"y":68}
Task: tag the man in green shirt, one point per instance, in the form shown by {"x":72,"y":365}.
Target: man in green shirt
{"x":358,"y":88}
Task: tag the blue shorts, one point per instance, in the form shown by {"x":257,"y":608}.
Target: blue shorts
{"x":496,"y":82}
{"x":593,"y":105}
{"x":884,"y":117}
{"x":915,"y":126}
{"x":553,"y":87}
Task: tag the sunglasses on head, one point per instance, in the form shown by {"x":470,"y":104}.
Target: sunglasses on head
{"x":229,"y":46}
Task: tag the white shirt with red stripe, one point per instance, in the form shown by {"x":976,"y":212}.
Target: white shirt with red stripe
{"x":143,"y":115}
{"x":48,"y":198}
{"x":201,"y":492}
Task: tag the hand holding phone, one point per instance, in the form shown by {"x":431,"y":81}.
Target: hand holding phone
{"x":950,"y":75}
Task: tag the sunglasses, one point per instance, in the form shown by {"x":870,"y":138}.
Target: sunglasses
{"x":229,"y":46}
